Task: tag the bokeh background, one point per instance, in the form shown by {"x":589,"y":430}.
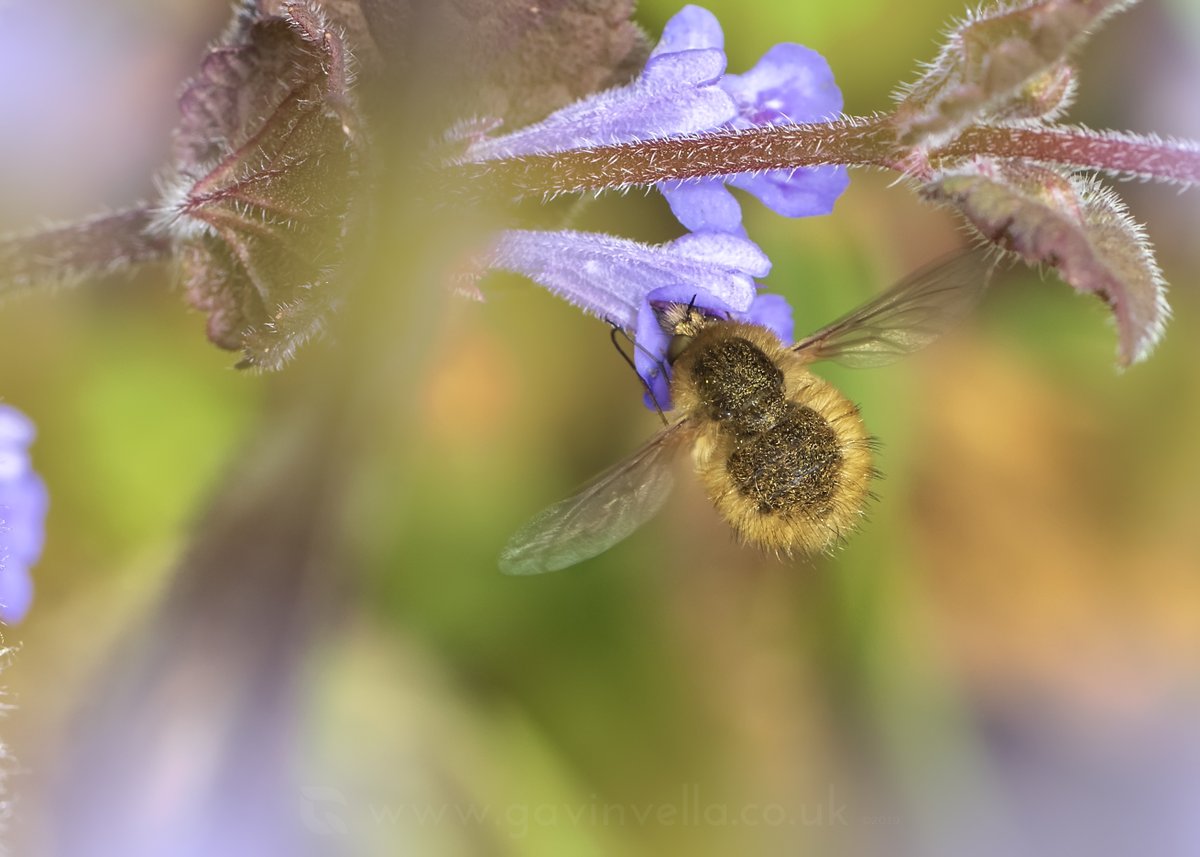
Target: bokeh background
{"x":1006,"y":659}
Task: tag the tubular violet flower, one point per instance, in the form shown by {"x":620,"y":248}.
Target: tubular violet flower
{"x":625,"y":281}
{"x":683,"y":90}
{"x":676,"y":93}
{"x":612,"y":277}
{"x":770,"y":311}
{"x":791,"y":83}
{"x":23,"y":503}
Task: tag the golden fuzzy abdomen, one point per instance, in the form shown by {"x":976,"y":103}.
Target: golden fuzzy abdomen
{"x":784,"y":456}
{"x":799,"y":486}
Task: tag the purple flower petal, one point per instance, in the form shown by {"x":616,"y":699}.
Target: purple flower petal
{"x":16,"y":592}
{"x":802,"y":192}
{"x":729,"y":253}
{"x":704,"y":205}
{"x":676,"y":93}
{"x":791,"y":83}
{"x":770,"y":311}
{"x":23,"y":504}
{"x":610,"y":277}
{"x":650,"y":356}
{"x":691,"y":28}
{"x":16,"y":429}
{"x":774,"y":313}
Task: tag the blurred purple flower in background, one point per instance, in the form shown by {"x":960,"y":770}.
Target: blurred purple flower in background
{"x":23,"y":503}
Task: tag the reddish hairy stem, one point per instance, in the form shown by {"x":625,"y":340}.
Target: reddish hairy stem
{"x":1112,"y":152}
{"x":95,"y":246}
{"x":851,"y":142}
{"x":864,"y":142}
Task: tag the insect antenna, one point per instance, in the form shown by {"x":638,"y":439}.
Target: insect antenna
{"x":618,"y":330}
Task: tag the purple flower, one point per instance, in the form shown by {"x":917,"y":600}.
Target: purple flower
{"x":770,"y":311}
{"x":23,"y":502}
{"x":611,"y":277}
{"x":682,"y":90}
{"x":676,"y":93}
{"x":623,"y":281}
{"x":774,"y":313}
{"x":791,"y":83}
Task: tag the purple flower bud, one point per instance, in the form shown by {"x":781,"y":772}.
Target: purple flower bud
{"x":23,"y":503}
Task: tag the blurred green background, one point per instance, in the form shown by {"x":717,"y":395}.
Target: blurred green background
{"x":1004,"y":660}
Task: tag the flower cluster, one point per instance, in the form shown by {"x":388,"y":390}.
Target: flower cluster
{"x":979,"y":133}
{"x":274,"y":159}
{"x":683,"y":89}
{"x":23,"y":502}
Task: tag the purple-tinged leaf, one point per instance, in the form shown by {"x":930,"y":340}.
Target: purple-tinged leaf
{"x":265,"y":185}
{"x":506,"y":59}
{"x":1074,"y":224}
{"x":996,"y":62}
{"x":345,"y":18}
{"x":1043,"y":98}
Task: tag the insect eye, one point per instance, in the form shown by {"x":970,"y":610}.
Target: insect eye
{"x":679,"y":343}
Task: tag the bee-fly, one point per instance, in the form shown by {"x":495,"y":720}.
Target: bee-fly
{"x":784,"y":456}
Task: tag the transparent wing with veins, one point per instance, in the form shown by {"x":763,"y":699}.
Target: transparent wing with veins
{"x":905,"y":318}
{"x":602,"y":513}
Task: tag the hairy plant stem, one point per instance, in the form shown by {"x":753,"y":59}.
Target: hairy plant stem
{"x":1112,"y":152}
{"x":856,"y":141}
{"x":87,"y":248}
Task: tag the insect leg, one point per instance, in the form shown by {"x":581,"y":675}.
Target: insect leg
{"x":617,"y":329}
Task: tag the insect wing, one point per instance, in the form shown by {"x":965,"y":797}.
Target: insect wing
{"x":602,"y":513}
{"x":907,"y":317}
